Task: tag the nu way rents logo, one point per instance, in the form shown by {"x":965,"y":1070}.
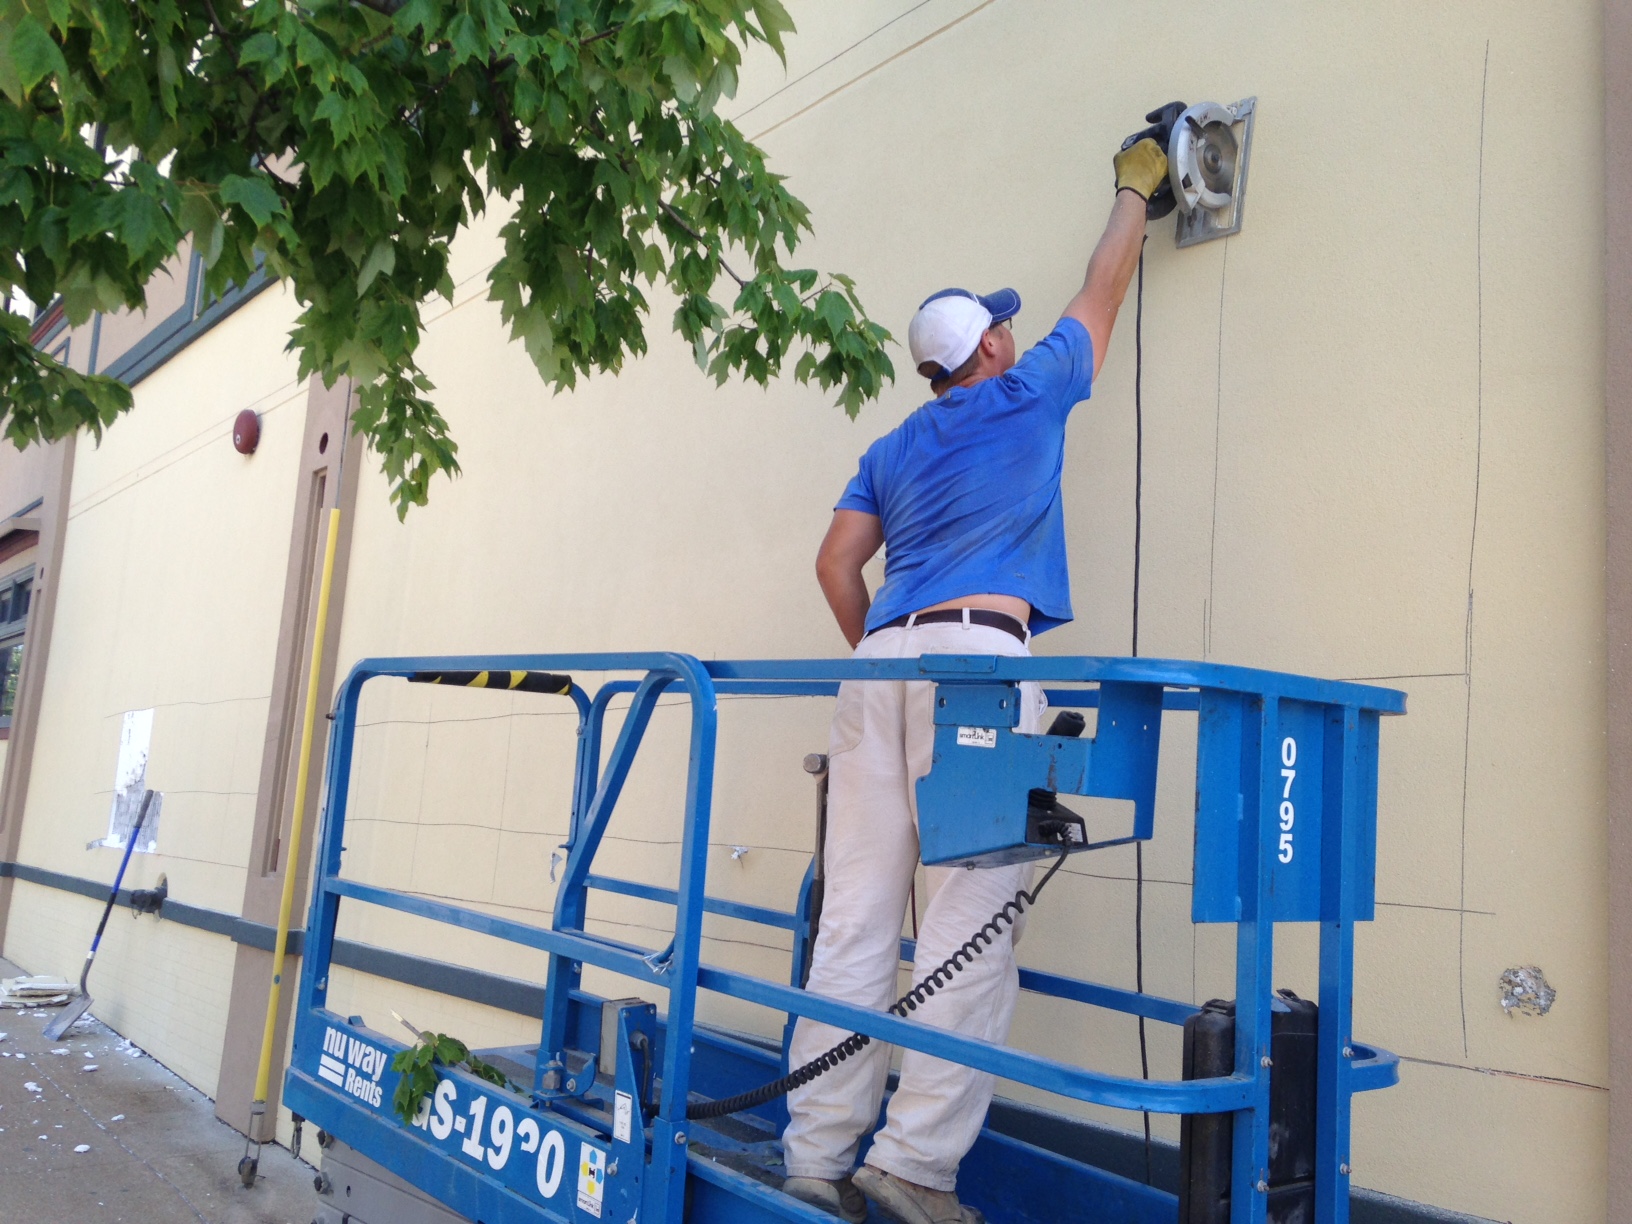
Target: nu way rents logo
{"x":352,"y":1066}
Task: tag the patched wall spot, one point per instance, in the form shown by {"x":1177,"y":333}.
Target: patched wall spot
{"x":1525,"y":989}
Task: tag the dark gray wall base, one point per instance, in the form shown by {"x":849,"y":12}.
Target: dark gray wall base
{"x":1114,"y":1150}
{"x":1375,"y":1207}
{"x":492,"y":989}
{"x":1120,"y":1152}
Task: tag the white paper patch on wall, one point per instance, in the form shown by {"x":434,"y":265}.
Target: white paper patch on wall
{"x":129,"y":785}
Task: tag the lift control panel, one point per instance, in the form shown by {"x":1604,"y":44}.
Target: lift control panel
{"x":978,"y":806}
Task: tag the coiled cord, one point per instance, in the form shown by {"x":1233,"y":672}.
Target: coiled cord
{"x":942,"y":975}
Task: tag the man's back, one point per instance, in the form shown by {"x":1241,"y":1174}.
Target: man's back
{"x":968,"y":487}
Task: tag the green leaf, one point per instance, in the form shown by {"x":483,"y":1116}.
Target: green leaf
{"x":29,"y":56}
{"x":337,"y":113}
{"x":834,"y":311}
{"x":143,"y":222}
{"x":259,"y":48}
{"x":417,"y":15}
{"x":200,"y":218}
{"x":382,"y":259}
{"x":466,"y":37}
{"x":169,"y":77}
{"x":11,"y":83}
{"x":774,"y":22}
{"x":254,"y":194}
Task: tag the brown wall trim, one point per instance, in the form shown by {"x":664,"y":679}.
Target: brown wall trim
{"x":53,"y":527}
{"x":323,"y":482}
{"x":1618,"y":585}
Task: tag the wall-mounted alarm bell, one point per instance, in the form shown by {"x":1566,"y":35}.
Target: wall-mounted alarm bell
{"x":246,"y":432}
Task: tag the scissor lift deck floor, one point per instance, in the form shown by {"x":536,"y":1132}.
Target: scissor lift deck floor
{"x":1286,"y":772}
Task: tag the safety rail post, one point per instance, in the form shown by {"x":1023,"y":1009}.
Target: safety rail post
{"x":571,"y":898}
{"x":665,"y":1185}
{"x":1254,"y":957}
{"x":1346,"y":785}
{"x":318,"y":950}
{"x":593,"y":733}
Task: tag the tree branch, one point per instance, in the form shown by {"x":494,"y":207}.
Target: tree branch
{"x":592,"y":121}
{"x":221,"y":32}
{"x":676,"y":216}
{"x":509,"y":133}
{"x":265,"y":163}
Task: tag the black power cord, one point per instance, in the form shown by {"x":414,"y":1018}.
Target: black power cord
{"x":856,"y":1042}
{"x":1138,"y":540}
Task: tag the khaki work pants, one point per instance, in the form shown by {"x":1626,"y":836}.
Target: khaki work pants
{"x":879,"y":746}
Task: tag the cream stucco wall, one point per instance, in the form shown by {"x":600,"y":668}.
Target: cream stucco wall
{"x":1373,"y":449}
{"x":169,"y":595}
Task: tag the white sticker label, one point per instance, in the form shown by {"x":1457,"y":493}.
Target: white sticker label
{"x":352,"y":1066}
{"x":623,"y":1116}
{"x":1289,"y":815}
{"x":977,"y":737}
{"x":591,"y":1179}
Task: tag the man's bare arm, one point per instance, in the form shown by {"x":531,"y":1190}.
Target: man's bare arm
{"x":852,"y":539}
{"x":1109,"y":271}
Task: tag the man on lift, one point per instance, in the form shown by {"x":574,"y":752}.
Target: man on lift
{"x":965,"y":495}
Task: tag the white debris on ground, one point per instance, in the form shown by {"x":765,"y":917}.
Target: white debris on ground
{"x":82,"y":1147}
{"x":31,"y":1086}
{"x":88,"y":1067}
{"x":64,"y":1050}
{"x":117,"y":1118}
{"x":36,"y":990}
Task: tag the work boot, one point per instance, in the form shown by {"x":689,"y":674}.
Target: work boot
{"x":840,"y":1197}
{"x":909,"y":1203}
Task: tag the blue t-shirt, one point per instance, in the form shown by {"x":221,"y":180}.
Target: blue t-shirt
{"x":968,"y":488}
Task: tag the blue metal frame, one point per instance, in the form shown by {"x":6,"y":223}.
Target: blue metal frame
{"x":1285,"y":831}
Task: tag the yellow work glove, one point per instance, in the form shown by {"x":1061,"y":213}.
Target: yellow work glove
{"x":1143,"y":168}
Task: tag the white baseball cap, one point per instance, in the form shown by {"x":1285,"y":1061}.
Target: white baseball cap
{"x":949,"y":325}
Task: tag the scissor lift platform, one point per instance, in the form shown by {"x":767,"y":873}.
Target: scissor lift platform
{"x":595,"y":1126}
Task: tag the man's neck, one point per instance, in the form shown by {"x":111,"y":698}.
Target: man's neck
{"x":938,"y":389}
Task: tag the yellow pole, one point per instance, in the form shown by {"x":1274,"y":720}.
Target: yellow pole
{"x":291,"y":858}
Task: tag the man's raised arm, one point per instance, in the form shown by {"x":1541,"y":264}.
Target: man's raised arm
{"x":1139,"y":171}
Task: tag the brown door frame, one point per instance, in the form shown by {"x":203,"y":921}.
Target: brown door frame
{"x":323,"y":483}
{"x":25,"y":719}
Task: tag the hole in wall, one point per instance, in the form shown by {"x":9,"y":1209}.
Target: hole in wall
{"x":323,"y":444}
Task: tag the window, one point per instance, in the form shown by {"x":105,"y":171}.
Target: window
{"x":16,"y":593}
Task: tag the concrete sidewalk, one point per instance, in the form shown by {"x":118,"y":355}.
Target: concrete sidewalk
{"x":153,"y":1150}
